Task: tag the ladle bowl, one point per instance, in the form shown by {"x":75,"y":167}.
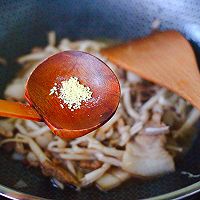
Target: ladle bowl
{"x":90,"y":72}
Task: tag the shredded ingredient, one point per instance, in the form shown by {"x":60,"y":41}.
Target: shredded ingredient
{"x":71,"y":93}
{"x":190,"y":175}
{"x":140,"y":139}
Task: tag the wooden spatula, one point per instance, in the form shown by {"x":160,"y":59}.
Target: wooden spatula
{"x":165,"y":58}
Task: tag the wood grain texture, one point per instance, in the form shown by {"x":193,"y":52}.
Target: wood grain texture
{"x":165,"y":58}
{"x":92,"y":73}
{"x":18,"y":110}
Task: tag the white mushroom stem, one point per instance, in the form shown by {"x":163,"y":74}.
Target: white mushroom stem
{"x":110,"y":123}
{"x":156,"y":130}
{"x":128,"y":105}
{"x":111,"y":151}
{"x":75,"y":156}
{"x":32,"y":125}
{"x":32,"y":57}
{"x":109,"y":160}
{"x":136,"y":128}
{"x":150,"y":103}
{"x":34,"y":148}
{"x":12,"y":140}
{"x":70,"y":167}
{"x":94,"y":175}
{"x":38,"y":132}
{"x":52,"y":38}
{"x":192,"y":118}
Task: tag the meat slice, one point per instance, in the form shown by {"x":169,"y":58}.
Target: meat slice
{"x":146,"y":156}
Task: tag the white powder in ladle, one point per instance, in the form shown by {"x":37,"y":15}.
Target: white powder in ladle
{"x":72,"y":93}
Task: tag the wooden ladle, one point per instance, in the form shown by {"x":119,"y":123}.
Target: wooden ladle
{"x":65,"y":123}
{"x":165,"y":58}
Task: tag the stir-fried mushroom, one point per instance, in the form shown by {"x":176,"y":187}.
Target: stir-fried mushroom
{"x":32,"y":159}
{"x":86,"y":164}
{"x":61,"y":174}
{"x":94,"y":175}
{"x":152,"y":128}
{"x":19,"y":148}
{"x":144,"y":91}
{"x":135,"y":141}
{"x":5,"y":133}
{"x":48,"y":167}
{"x":112,"y":179}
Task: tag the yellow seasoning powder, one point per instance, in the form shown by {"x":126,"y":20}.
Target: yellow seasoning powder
{"x":72,"y":93}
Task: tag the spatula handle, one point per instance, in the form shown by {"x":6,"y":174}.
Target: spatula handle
{"x":18,"y":110}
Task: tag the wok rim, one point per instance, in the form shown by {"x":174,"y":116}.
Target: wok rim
{"x":175,"y":195}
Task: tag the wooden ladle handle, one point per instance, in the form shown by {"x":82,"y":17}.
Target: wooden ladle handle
{"x":18,"y":110}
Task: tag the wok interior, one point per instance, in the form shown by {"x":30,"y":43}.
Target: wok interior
{"x":25,"y":24}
